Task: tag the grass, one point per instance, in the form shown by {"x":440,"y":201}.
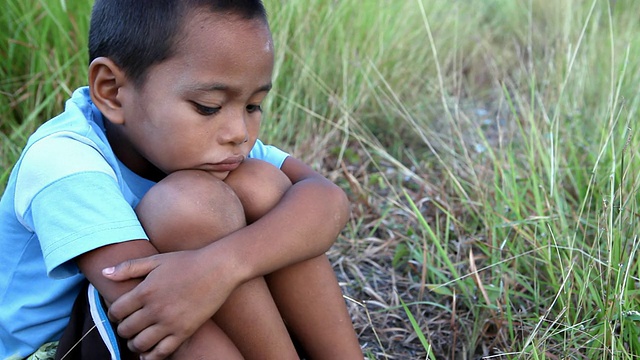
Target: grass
{"x":489,"y":150}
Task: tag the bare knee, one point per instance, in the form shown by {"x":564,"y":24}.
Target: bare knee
{"x":188,"y":210}
{"x":259,"y":186}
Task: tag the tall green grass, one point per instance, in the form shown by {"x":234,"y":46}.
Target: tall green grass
{"x":536,"y":225}
{"x":43,"y":54}
{"x":505,"y":130}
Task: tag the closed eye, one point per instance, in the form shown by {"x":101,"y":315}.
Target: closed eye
{"x":206,"y":110}
{"x":254,"y":108}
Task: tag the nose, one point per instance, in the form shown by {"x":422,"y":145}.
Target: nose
{"x":235,"y":130}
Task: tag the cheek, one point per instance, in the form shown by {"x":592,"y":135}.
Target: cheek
{"x":253,"y":127}
{"x":167,"y":123}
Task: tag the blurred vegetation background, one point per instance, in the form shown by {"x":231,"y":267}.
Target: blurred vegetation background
{"x":490,"y":150}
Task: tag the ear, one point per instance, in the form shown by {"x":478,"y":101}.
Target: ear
{"x":107,"y":83}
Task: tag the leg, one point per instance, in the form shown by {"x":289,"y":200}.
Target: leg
{"x":311,"y":303}
{"x":188,"y":210}
{"x":307,"y":293}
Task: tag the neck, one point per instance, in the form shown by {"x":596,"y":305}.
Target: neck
{"x":128,"y":155}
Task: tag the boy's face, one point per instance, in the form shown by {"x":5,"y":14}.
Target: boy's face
{"x":200,"y":109}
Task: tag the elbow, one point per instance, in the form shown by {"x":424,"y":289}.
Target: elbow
{"x":341,"y":209}
{"x":328,"y":211}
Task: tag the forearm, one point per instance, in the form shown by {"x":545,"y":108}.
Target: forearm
{"x":303,"y":225}
{"x":92,"y":263}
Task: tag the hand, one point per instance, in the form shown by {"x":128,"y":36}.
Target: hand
{"x":180,"y":292}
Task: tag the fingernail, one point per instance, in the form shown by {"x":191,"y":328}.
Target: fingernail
{"x":108,"y":271}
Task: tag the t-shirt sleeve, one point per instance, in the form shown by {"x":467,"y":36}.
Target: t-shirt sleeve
{"x":80,"y":213}
{"x":69,"y":197}
{"x":268,"y":153}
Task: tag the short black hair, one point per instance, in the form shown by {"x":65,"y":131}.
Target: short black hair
{"x":136,"y":34}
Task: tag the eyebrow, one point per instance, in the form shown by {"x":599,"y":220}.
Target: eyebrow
{"x":223,"y":87}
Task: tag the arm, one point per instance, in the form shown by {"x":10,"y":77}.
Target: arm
{"x":314,"y":210}
{"x":92,"y":263}
{"x":303,"y":225}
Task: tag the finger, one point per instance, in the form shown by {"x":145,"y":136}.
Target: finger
{"x":134,"y":324}
{"x":131,"y":269}
{"x":147,"y":339}
{"x":124,"y":306}
{"x":163,"y":349}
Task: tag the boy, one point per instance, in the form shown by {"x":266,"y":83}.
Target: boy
{"x":153,"y":186}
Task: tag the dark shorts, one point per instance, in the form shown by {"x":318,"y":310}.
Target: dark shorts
{"x":90,"y":334}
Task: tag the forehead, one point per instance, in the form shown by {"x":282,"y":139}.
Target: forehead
{"x":209,"y":34}
{"x":217,"y":48}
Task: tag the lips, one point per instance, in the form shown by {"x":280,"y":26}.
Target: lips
{"x":228,"y":164}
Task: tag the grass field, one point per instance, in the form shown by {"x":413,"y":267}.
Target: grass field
{"x":489,"y":148}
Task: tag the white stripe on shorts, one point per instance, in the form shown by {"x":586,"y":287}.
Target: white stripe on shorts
{"x":101,"y":321}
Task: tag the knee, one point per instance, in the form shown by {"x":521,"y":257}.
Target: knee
{"x":189,"y":209}
{"x":259,"y":186}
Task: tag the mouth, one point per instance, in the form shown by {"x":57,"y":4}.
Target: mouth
{"x":228,"y":164}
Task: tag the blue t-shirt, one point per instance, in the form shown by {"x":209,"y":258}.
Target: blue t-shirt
{"x":67,"y":194}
